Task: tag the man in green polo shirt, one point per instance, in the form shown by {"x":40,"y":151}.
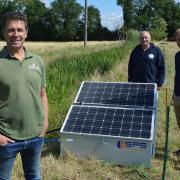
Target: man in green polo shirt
{"x":23,"y":100}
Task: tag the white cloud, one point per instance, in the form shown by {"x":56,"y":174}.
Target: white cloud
{"x":47,"y":2}
{"x":112,"y":21}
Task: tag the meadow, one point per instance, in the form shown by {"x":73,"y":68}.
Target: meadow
{"x":67,"y":65}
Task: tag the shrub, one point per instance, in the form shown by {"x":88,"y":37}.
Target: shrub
{"x":132,"y":35}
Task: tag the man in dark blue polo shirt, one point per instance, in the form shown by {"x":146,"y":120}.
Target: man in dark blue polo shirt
{"x":146,"y":62}
{"x":176,"y":96}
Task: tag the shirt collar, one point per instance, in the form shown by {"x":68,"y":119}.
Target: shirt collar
{"x":150,"y":47}
{"x":4,"y":53}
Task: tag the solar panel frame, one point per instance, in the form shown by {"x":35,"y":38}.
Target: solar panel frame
{"x":97,"y":97}
{"x":106,"y":126}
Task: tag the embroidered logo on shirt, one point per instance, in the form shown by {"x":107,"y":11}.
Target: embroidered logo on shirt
{"x":34,"y":66}
{"x":151,"y":56}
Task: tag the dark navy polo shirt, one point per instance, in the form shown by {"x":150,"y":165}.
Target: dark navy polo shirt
{"x":146,"y":66}
{"x":177,"y":74}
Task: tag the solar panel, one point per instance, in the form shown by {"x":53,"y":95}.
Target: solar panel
{"x":117,"y":94}
{"x":110,"y":121}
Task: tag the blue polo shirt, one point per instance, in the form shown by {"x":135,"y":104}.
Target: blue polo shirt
{"x":177,"y":74}
{"x":146,"y":66}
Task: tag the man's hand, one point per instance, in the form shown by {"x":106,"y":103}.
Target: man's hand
{"x":5,"y":140}
{"x":43,"y":132}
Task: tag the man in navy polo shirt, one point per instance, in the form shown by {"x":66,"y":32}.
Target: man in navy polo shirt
{"x":176,"y":95}
{"x":146,"y":62}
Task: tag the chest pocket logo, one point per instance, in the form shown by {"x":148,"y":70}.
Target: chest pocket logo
{"x":151,"y":57}
{"x":34,"y":66}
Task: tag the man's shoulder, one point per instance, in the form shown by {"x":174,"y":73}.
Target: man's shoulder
{"x":155,"y":47}
{"x":177,"y":55}
{"x":33,"y":55}
{"x":3,"y":53}
{"x":137,"y":48}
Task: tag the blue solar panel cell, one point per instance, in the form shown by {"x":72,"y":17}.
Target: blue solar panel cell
{"x":76,"y":129}
{"x":97,"y":124}
{"x":99,"y":117}
{"x":95,"y":130}
{"x":88,"y":123}
{"x":86,"y":129}
{"x":115,"y":132}
{"x":117,"y":118}
{"x":146,"y":119}
{"x":137,"y":119}
{"x":126,"y":126}
{"x":125,"y":133}
{"x":105,"y":131}
{"x":116,"y":125}
{"x":135,"y":133}
{"x":136,"y":126}
{"x":68,"y":128}
{"x":146,"y":126}
{"x":145,"y":134}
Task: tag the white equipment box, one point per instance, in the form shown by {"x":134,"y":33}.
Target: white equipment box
{"x":114,"y":122}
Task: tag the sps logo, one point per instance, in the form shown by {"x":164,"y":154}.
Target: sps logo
{"x":131,"y":144}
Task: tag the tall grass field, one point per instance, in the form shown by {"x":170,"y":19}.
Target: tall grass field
{"x":67,"y":65}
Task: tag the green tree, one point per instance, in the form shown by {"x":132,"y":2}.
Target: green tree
{"x":65,"y":16}
{"x":159,"y":28}
{"x":169,"y":11}
{"x":95,"y":29}
{"x":143,"y":13}
{"x":127,"y":6}
{"x":63,"y":20}
{"x":35,"y":11}
{"x":94,"y":22}
{"x":5,"y":6}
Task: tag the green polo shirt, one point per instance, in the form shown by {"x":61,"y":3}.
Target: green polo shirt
{"x":21,"y":110}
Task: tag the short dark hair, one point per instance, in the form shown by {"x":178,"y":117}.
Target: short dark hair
{"x":13,"y":16}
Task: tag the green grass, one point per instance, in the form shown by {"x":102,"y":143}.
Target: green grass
{"x":65,"y":76}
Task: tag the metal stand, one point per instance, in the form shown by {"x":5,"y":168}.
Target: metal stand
{"x":167,"y":132}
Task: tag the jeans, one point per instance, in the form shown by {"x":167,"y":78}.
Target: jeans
{"x":30,"y":151}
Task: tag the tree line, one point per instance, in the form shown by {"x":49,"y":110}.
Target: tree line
{"x":63,"y":21}
{"x":161,"y":17}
